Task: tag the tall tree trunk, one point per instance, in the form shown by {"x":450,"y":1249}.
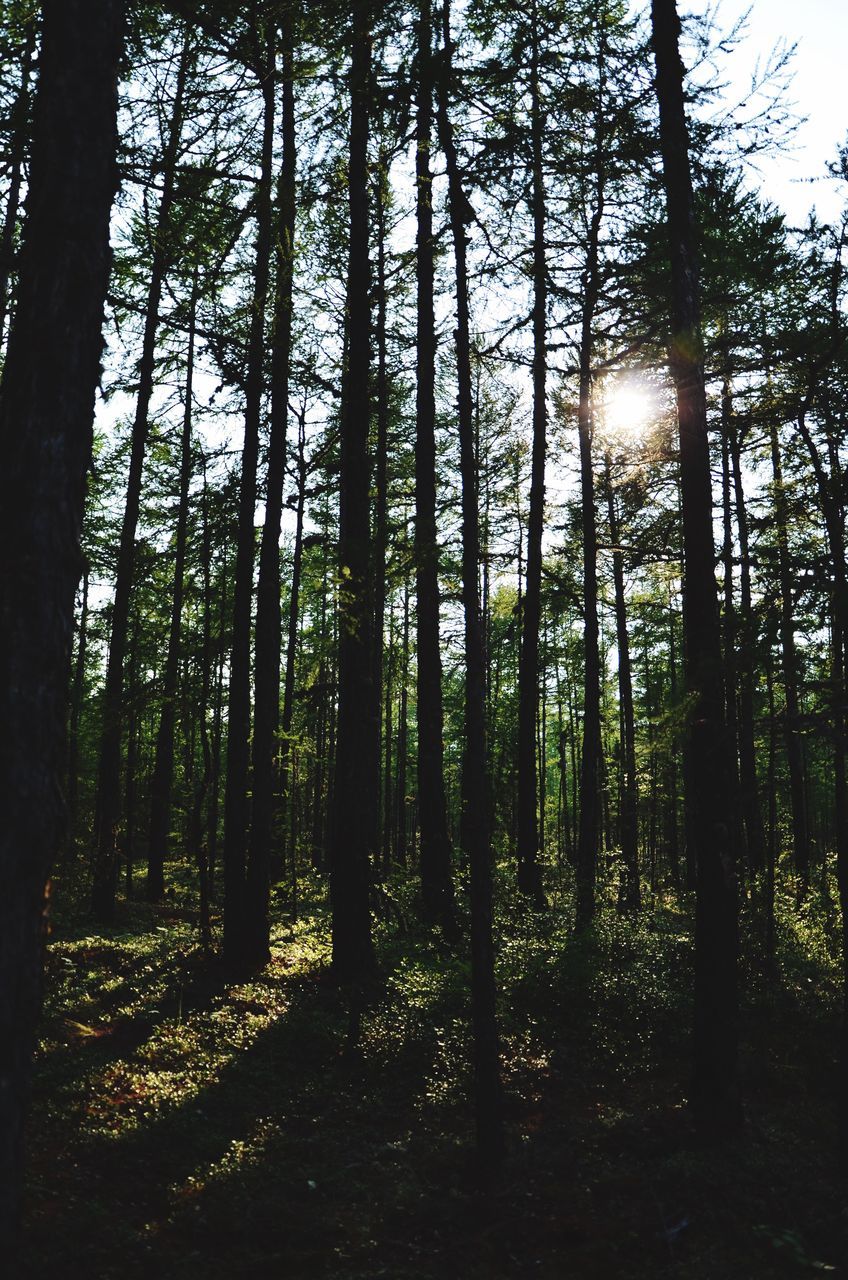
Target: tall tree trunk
{"x":238,"y":716}
{"x":730,"y":631}
{"x":163,"y":769}
{"x":789,"y":662}
{"x":19,"y":127}
{"x":46,"y":412}
{"x":751,"y":809}
{"x":109,"y":767}
{"x":287,"y":797}
{"x":436,"y":879}
{"x":475,"y":825}
{"x":403,"y":740}
{"x":715,"y":1091}
{"x":77,"y":691}
{"x":588,"y":834}
{"x":353,"y":953}
{"x":529,"y":875}
{"x":266,"y":709}
{"x":629,"y":892}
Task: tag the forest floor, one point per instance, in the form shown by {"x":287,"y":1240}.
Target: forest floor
{"x":182,"y":1127}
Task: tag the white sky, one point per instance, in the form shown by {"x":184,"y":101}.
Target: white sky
{"x":819,"y":92}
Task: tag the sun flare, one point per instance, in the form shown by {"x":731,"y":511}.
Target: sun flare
{"x":628,"y":407}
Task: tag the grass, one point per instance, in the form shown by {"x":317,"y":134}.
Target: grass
{"x":182,"y":1127}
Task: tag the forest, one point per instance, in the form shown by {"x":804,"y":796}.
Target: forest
{"x":423,"y":645}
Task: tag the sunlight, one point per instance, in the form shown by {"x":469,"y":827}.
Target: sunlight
{"x":627,"y":407}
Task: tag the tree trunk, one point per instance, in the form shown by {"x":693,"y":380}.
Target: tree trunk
{"x":589,"y":822}
{"x":789,"y":661}
{"x":629,"y":891}
{"x":19,"y":127}
{"x":74,"y":719}
{"x":163,"y":769}
{"x":715,"y":1091}
{"x":109,"y":768}
{"x":436,"y":879}
{"x":529,"y":875}
{"x":50,"y":378}
{"x":353,"y":953}
{"x":268,"y":615}
{"x":238,"y":716}
{"x":475,"y":825}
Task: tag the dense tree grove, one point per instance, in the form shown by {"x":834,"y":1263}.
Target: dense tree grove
{"x":458,"y":537}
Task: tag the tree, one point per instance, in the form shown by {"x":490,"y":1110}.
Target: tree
{"x":715,"y":1088}
{"x":46,"y":413}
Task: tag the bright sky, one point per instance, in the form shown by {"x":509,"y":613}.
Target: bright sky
{"x":819,"y":91}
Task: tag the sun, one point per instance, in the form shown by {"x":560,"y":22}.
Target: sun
{"x":627,"y":407}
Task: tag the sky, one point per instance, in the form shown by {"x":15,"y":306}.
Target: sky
{"x":819,"y":91}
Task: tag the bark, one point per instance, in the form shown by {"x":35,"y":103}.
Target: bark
{"x":529,"y":875}
{"x":789,"y":663}
{"x":109,"y":768}
{"x":163,"y":769}
{"x":475,"y":825}
{"x":46,"y":412}
{"x":629,"y":891}
{"x":268,"y":613}
{"x":715,"y":1090}
{"x":236,"y":945}
{"x":19,"y":125}
{"x":77,"y":691}
{"x":588,"y":834}
{"x":352,"y":827}
{"x":436,"y":878}
{"x":751,"y":808}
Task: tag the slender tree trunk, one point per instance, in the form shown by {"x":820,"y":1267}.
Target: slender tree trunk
{"x":381,"y":502}
{"x":475,"y":826}
{"x":293,"y":626}
{"x":268,"y":616}
{"x":109,"y":769}
{"x":629,"y":892}
{"x":352,"y":828}
{"x":50,"y":378}
{"x":401,"y":852}
{"x":436,"y":878}
{"x":77,"y":691}
{"x":529,"y":875}
{"x":236,"y":947}
{"x":789,"y":660}
{"x":163,"y":769}
{"x":19,"y":128}
{"x":588,"y":835}
{"x":751,"y":809}
{"x":715,"y":1090}
{"x":730,"y":631}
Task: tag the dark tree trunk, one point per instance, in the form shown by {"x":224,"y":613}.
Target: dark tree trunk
{"x":476,"y":819}
{"x":715,"y":1092}
{"x":352,"y":826}
{"x":730,"y":632}
{"x":629,"y":891}
{"x":750,"y":787}
{"x":403,"y":740}
{"x":287,"y":797}
{"x":789,"y":660}
{"x":46,"y":412}
{"x":19,"y":127}
{"x":381,"y":506}
{"x":77,"y":691}
{"x":588,"y":834}
{"x":109,"y":768}
{"x":236,"y":946}
{"x":268,"y":614}
{"x":529,"y":875}
{"x":436,"y":880}
{"x":163,"y":769}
